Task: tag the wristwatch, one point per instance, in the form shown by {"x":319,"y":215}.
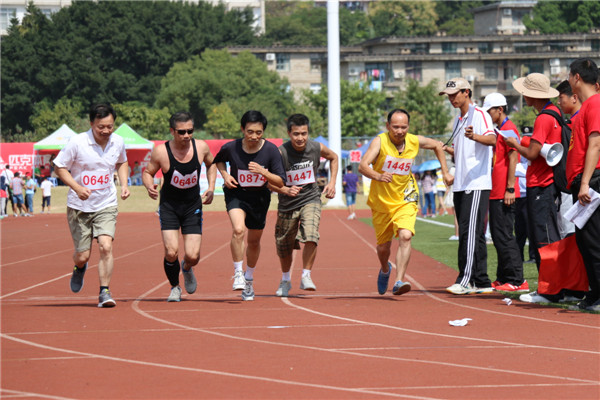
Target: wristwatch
{"x":510,"y":190}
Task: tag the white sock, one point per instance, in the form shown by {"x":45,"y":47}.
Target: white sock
{"x":249,"y":273}
{"x":237,"y":266}
{"x":286,"y":276}
{"x":305,"y":272}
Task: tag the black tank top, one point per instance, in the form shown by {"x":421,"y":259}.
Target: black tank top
{"x":181,"y":181}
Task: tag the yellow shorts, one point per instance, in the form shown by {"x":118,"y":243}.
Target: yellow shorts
{"x":389,"y":223}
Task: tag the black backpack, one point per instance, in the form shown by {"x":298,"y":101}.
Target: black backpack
{"x":560,"y":169}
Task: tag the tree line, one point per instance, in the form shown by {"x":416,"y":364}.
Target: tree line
{"x":151,"y":59}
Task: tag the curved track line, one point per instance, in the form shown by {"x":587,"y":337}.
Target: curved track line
{"x":33,"y":258}
{"x":206,"y":371}
{"x":69,"y":274}
{"x":434,"y":297}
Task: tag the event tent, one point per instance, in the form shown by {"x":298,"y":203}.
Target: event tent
{"x":133,"y":141}
{"x":57,"y":140}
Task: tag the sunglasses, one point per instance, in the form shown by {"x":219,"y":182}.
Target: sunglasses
{"x":184,"y":131}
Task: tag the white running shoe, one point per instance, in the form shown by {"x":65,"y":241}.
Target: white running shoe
{"x":284,"y":289}
{"x":239,"y":282}
{"x":533,"y":297}
{"x":459,"y":289}
{"x":248,"y":292}
{"x":175,"y":294}
{"x":307,"y":284}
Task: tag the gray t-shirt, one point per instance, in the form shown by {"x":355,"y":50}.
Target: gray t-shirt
{"x":300,"y":170}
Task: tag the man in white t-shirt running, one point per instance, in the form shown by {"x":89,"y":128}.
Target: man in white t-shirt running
{"x":87,"y":165}
{"x":473,"y":138}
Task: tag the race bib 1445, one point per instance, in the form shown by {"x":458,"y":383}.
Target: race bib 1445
{"x":184,"y":181}
{"x":397,"y":166}
{"x":96,"y":180}
{"x":250,"y":179}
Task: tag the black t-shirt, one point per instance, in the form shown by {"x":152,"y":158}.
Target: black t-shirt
{"x":268,"y":157}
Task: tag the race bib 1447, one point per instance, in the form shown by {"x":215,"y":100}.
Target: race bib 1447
{"x":184,"y":181}
{"x":397,"y":166}
{"x":96,"y":180}
{"x":300,"y":177}
{"x":250,"y":179}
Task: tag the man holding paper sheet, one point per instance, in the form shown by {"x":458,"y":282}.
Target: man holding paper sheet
{"x":505,"y":189}
{"x":583,"y":171}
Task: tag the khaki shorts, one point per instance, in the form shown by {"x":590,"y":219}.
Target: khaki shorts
{"x":388,"y":224}
{"x":87,"y":225}
{"x":292,"y":227}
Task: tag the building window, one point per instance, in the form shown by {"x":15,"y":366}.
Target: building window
{"x":283,"y":62}
{"x":452,"y":69}
{"x":378,"y":71}
{"x":449,"y":48}
{"x":414,"y":70}
{"x":507,"y":72}
{"x":486,"y":47}
{"x":315,"y":62}
{"x":315,"y":88}
{"x":490,"y":70}
{"x":6,"y":14}
{"x":532,"y":66}
{"x":595,"y":45}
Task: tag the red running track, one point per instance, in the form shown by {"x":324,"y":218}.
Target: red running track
{"x":343,"y":341}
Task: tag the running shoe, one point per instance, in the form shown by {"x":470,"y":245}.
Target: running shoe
{"x":248,"y":292}
{"x":383,"y":279}
{"x":239,"y":282}
{"x":595,"y":307}
{"x":459,"y":289}
{"x":533,"y":297}
{"x":284,"y":289}
{"x":188,"y":278}
{"x":306,"y":283}
{"x":401,"y":288}
{"x":483,"y":290}
{"x":175,"y":294}
{"x":496,"y":283}
{"x":453,"y":237}
{"x":105,"y":300}
{"x":77,"y":278}
{"x":509,"y":287}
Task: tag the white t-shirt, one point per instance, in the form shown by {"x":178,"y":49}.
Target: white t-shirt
{"x":9,"y":175}
{"x":473,"y":160}
{"x":93,"y":168}
{"x":46,"y":187}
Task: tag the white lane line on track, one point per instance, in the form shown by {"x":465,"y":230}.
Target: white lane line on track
{"x":15,"y":394}
{"x":429,"y":221}
{"x":208,"y":371}
{"x":494,"y":386}
{"x":34,"y":258}
{"x":434,"y":297}
{"x":69,"y":274}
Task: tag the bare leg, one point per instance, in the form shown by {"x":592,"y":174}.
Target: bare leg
{"x":253,"y":250}
{"x":309,"y":253}
{"x":403,"y":253}
{"x":237,"y":217}
{"x":105,"y":266}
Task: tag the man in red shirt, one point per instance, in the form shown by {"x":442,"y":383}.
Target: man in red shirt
{"x":541,"y":193}
{"x":505,"y":188}
{"x":583,"y":170}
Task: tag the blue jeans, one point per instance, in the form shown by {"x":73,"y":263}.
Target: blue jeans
{"x":429,"y":203}
{"x":29,"y":202}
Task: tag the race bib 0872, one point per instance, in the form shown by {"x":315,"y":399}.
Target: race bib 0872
{"x":250,"y":179}
{"x":300,"y":177}
{"x":184,"y":181}
{"x":96,"y":180}
{"x":397,"y":166}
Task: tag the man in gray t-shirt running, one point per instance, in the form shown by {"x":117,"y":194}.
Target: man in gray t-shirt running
{"x":299,"y":210}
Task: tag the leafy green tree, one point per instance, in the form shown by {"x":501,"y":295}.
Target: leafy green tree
{"x":151,"y":123}
{"x":428,"y":113}
{"x":223,"y":123}
{"x":116,"y":51}
{"x":361,"y":109}
{"x":563,"y":16}
{"x":455,"y":17}
{"x":403,"y":18}
{"x":524,"y":117}
{"x":49,"y":117}
{"x":243,"y":82}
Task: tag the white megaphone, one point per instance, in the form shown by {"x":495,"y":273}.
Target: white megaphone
{"x":552,"y":153}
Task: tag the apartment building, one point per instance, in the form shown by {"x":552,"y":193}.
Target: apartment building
{"x":10,"y":9}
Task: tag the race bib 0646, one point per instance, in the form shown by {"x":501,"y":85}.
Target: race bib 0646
{"x":184,"y":181}
{"x":300,"y":177}
{"x":397,"y":166}
{"x":96,"y":180}
{"x":250,"y":179}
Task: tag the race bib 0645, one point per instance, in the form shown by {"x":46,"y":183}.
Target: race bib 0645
{"x":250,"y":179}
{"x":397,"y":166}
{"x":184,"y":181}
{"x":96,"y":180}
{"x":300,"y":177}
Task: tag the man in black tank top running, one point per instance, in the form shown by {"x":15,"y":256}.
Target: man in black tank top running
{"x":180,"y":207}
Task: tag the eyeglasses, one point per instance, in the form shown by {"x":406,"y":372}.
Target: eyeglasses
{"x":184,"y":131}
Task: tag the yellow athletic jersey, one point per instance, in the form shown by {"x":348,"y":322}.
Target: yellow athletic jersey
{"x":384,"y":197}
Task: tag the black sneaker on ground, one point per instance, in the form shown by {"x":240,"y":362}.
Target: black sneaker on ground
{"x":77,"y":278}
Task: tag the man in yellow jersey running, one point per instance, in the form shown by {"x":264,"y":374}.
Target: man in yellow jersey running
{"x":394,"y":194}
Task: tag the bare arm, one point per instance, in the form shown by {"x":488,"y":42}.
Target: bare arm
{"x":530,"y":152}
{"x":151,"y":170}
{"x":367,"y":160}
{"x":488,"y":140}
{"x":274,"y":180}
{"x":123,"y":173}
{"x":437,"y":147}
{"x":64,"y":175}
{"x":591,"y":160}
{"x":328,"y":154}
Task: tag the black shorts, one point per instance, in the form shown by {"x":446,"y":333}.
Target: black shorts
{"x":254,"y":203}
{"x":185,"y":215}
